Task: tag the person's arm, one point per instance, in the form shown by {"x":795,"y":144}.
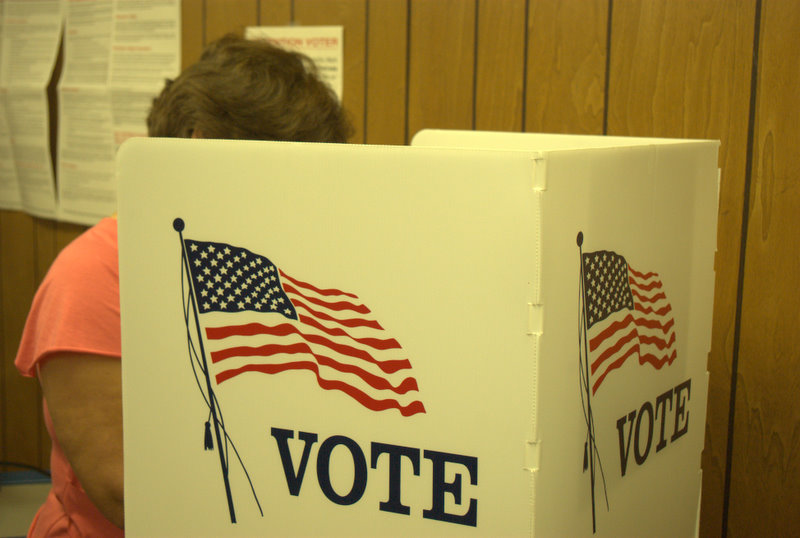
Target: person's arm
{"x":84,"y":396}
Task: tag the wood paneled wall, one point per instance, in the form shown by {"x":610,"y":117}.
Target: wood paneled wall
{"x":699,"y":69}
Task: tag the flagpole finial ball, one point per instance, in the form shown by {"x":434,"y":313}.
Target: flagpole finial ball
{"x":580,"y":239}
{"x":178,"y":224}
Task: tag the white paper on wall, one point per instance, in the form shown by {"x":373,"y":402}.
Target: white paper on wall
{"x":86,"y":183}
{"x":10,"y":197}
{"x":87,"y":42}
{"x":86,"y":180}
{"x":117,"y":55}
{"x":29,"y":127}
{"x":145,"y":42}
{"x":31,"y":34}
{"x":31,"y":37}
{"x":145,"y":51}
{"x":323,"y":44}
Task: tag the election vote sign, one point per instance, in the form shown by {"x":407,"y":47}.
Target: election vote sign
{"x":482,"y":334}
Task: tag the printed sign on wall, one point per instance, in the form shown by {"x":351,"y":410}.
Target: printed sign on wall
{"x":323,"y":44}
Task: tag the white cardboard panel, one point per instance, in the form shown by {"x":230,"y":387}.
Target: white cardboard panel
{"x":453,"y":138}
{"x":653,"y":201}
{"x":469,"y":260}
{"x":385,"y":223}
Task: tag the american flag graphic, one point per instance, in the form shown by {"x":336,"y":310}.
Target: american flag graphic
{"x":257,"y":318}
{"x":628,"y":315}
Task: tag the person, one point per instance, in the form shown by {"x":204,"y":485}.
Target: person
{"x":71,"y":341}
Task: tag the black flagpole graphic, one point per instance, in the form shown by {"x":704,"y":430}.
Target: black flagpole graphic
{"x":178,"y":225}
{"x":591,"y":452}
{"x":585,"y":381}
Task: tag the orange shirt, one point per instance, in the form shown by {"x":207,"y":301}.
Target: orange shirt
{"x":76,"y":309}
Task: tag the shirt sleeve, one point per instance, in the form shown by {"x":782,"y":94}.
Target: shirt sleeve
{"x":76,"y":308}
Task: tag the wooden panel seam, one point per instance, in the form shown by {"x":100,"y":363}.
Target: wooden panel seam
{"x":740,"y":282}
{"x":607,"y":82}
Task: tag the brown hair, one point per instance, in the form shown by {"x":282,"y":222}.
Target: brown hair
{"x":243,"y":89}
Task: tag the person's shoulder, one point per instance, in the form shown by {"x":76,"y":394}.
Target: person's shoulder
{"x":81,"y":284}
{"x":86,"y":269}
{"x":93,"y":250}
{"x":101,"y":236}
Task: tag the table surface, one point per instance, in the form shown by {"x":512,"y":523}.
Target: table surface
{"x":21,"y":495}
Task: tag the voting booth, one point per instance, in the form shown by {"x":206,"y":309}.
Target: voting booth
{"x":481,"y":334}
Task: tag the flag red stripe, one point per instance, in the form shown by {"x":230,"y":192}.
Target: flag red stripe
{"x":618,"y":345}
{"x":600,"y":337}
{"x":641,"y":275}
{"x":656,"y":341}
{"x":376,"y":382}
{"x":364,"y":399}
{"x":387,"y":366}
{"x":353,"y":322}
{"x":264,"y":351}
{"x":284,"y":329}
{"x":337,"y":306}
{"x":657,"y":362}
{"x":306,"y":285}
{"x":406,"y":385}
{"x":662,"y":312}
{"x":647,"y":298}
{"x":656,"y":284}
{"x":659,"y":342}
{"x":613,"y":366}
{"x":377,"y":343}
{"x":655,"y":324}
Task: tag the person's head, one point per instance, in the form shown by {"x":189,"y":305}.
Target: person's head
{"x":241,"y":89}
